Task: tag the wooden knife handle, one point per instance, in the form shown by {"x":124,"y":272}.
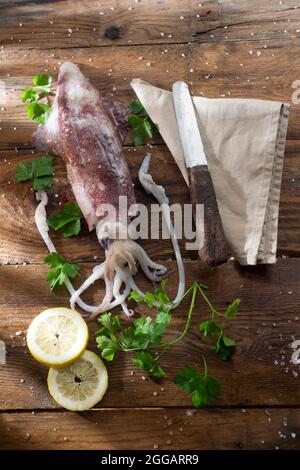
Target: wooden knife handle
{"x":215,"y":249}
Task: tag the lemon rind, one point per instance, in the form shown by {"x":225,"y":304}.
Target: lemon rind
{"x":70,"y":360}
{"x":92,"y":403}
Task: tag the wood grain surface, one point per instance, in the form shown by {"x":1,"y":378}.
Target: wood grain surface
{"x":154,"y":428}
{"x":259,"y":373}
{"x":222,"y":48}
{"x":214,"y":70}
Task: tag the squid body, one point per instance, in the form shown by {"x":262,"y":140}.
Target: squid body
{"x":87,"y":131}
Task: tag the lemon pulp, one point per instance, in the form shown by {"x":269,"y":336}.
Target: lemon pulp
{"x":80,"y":385}
{"x":57,"y":336}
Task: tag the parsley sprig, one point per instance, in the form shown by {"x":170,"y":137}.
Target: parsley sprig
{"x":143,"y":127}
{"x":68,"y":219}
{"x":60,"y":270}
{"x":40,"y":171}
{"x":145,"y":339}
{"x":223,"y":345}
{"x":144,"y":333}
{"x":203,"y":387}
{"x":36,"y":109}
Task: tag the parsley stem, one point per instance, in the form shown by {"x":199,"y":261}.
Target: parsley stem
{"x":205,"y":365}
{"x":187,"y":324}
{"x":205,"y":298}
{"x":220,"y":336}
{"x":193,"y":286}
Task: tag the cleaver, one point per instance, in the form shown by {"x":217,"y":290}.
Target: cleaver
{"x":213,"y":246}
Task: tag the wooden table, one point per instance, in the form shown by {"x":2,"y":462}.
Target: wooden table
{"x":231,"y":48}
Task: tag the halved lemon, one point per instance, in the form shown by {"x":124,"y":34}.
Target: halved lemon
{"x":57,"y":336}
{"x":81,"y":385}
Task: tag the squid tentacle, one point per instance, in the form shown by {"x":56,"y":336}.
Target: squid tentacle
{"x":122,"y":258}
{"x":96,"y":274}
{"x":43,"y":228}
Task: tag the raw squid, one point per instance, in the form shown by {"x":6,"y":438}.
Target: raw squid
{"x":87,"y":132}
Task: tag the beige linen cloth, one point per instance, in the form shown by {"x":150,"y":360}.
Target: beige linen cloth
{"x":244,"y":142}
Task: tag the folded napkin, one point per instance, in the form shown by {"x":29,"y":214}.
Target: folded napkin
{"x":244,"y":142}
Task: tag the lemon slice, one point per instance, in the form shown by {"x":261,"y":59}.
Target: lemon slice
{"x":57,"y":336}
{"x":80,"y":385}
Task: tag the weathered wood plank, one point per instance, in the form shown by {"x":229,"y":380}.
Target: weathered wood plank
{"x":86,"y":24}
{"x":271,"y":22}
{"x":20,"y":241}
{"x":215,"y":70}
{"x":289,"y":215}
{"x":260,"y":372}
{"x":78,"y":24}
{"x":247,"y":71}
{"x":111,"y":69}
{"x":152,"y":429}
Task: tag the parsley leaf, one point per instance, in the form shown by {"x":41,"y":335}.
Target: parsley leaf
{"x":134,"y":295}
{"x":60,"y":270}
{"x":136,"y":107}
{"x":232,"y":309}
{"x":24,"y":172}
{"x":40,"y":171}
{"x":108,"y":347}
{"x":29,"y":95}
{"x":160,"y":296}
{"x":146,"y":361}
{"x":41,"y":183}
{"x":224,"y":347}
{"x":208,"y":328}
{"x":37,"y":110}
{"x":109,"y":324}
{"x":143,"y":127}
{"x":149,"y":328}
{"x":67,"y":218}
{"x":131,"y":339}
{"x":42,"y":166}
{"x":163,"y":317}
{"x":42,"y":82}
{"x":203,"y":388}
